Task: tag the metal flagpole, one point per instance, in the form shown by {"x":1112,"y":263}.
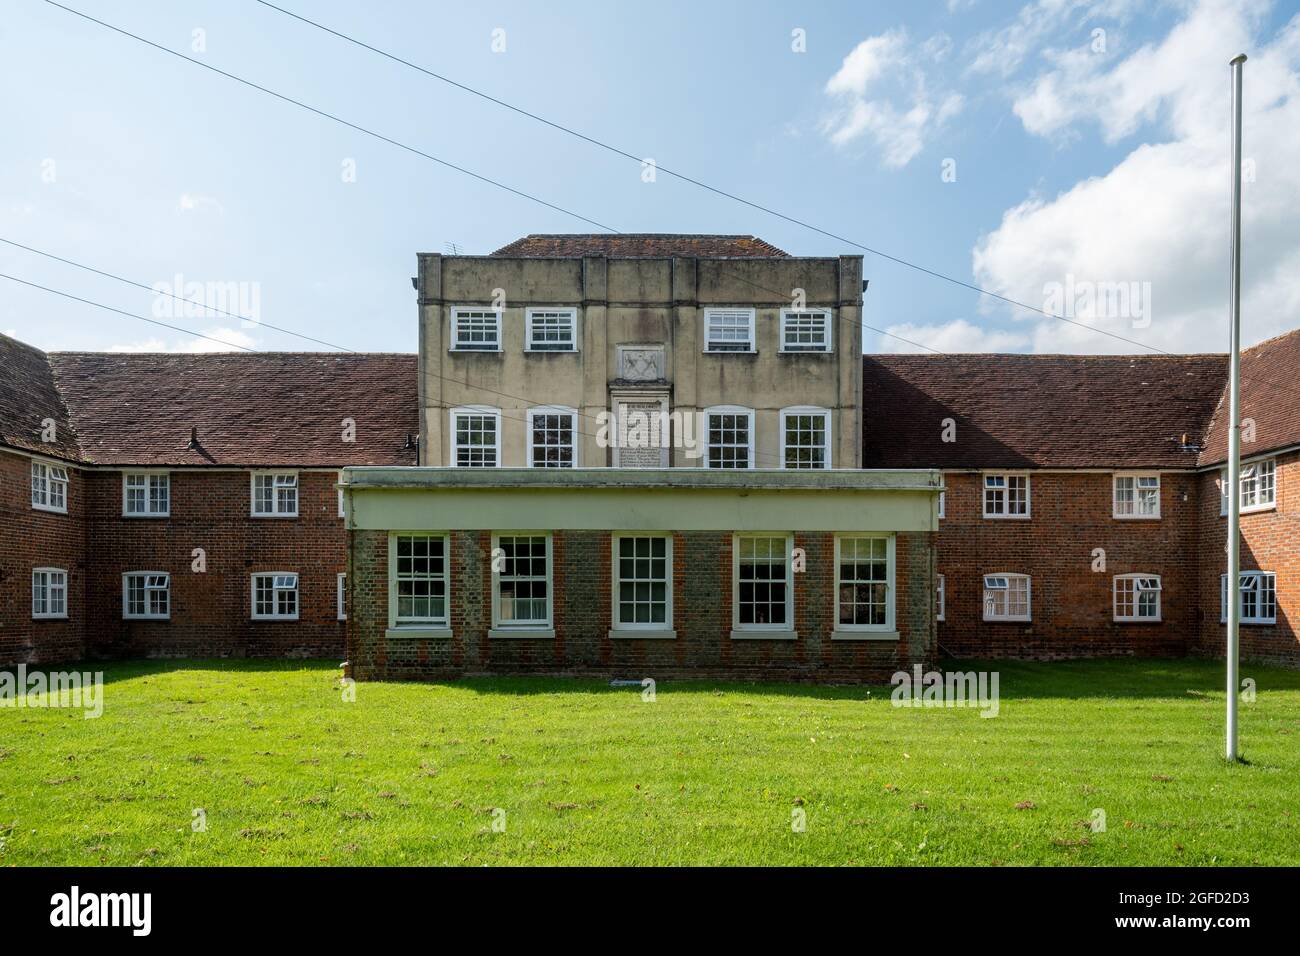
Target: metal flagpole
{"x":1233,"y":597}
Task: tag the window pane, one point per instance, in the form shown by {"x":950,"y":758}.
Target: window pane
{"x":552,"y":439}
{"x":805,"y":440}
{"x":761,"y":581}
{"x":421,"y":584}
{"x":864,"y":581}
{"x":643,"y":582}
{"x":728,"y":435}
{"x":476,"y":438}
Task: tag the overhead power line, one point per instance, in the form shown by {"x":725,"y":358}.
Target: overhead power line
{"x":752,"y":204}
{"x":170,"y":295}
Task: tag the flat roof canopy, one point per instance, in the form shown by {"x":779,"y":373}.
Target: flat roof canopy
{"x":616,"y":499}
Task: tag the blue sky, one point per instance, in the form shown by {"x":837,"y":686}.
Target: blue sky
{"x":1079,"y":157}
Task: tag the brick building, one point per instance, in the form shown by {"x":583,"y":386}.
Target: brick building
{"x":644,"y":454}
{"x":134,"y":513}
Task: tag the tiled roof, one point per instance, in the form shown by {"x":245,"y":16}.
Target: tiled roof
{"x":640,"y":245}
{"x":28,"y":398}
{"x":1270,"y":396}
{"x":265,"y":408}
{"x":1037,"y":411}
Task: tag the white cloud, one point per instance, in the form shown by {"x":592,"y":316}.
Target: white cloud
{"x":197,"y":202}
{"x":1160,"y":215}
{"x":233,"y":338}
{"x":1003,"y":51}
{"x":955,"y":336}
{"x":881,"y":91}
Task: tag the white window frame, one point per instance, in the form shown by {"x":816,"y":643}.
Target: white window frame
{"x":943,"y":503}
{"x":574,"y":443}
{"x":795,"y":411}
{"x":1250,"y":471}
{"x":787,"y":315}
{"x":530,"y":315}
{"x":1007,"y":577}
{"x":276,"y":588}
{"x":342,"y":509}
{"x":275,"y":474}
{"x":47,"y":476}
{"x":889,"y":624}
{"x":729,"y":410}
{"x":616,"y":579}
{"x":341,"y":595}
{"x":50,"y":587}
{"x":395,"y":619}
{"x":1006,"y":477}
{"x":146,"y":615}
{"x":523,"y":626}
{"x":940,"y":597}
{"x":760,"y":630}
{"x":471,"y":312}
{"x":1137,"y":477}
{"x":149,"y":477}
{"x":483,"y":410}
{"x":1137,"y":578}
{"x":1259,"y":577}
{"x":729,"y":313}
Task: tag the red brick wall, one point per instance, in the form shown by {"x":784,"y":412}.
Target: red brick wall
{"x":1071,"y":605}
{"x":1270,"y":541}
{"x":211,"y":611}
{"x":34,"y":539}
{"x":1071,"y":515}
{"x":702,"y":569}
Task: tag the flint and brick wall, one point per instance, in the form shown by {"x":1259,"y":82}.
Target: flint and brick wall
{"x":582,"y":613}
{"x":1071,"y":604}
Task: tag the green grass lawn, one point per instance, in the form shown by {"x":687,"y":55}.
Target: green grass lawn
{"x":287,"y":772}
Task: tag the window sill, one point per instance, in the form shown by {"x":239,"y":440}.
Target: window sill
{"x":845,"y":635}
{"x":1008,"y":620}
{"x":741,"y":634}
{"x":49,"y":617}
{"x":418,"y":633}
{"x":521,"y":633}
{"x":49,"y":510}
{"x":550,"y":351}
{"x":282,"y":517}
{"x":453,"y":351}
{"x":1253,"y":509}
{"x":273,"y":619}
{"x":648,"y":634}
{"x":1007,"y":517}
{"x":146,"y":617}
{"x":804,"y":352}
{"x":1136,"y":517}
{"x":132,"y":514}
{"x":730,"y":352}
{"x":1136,"y":620}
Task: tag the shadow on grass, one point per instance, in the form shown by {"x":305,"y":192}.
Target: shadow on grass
{"x":1148,"y":678}
{"x":1126,"y":677}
